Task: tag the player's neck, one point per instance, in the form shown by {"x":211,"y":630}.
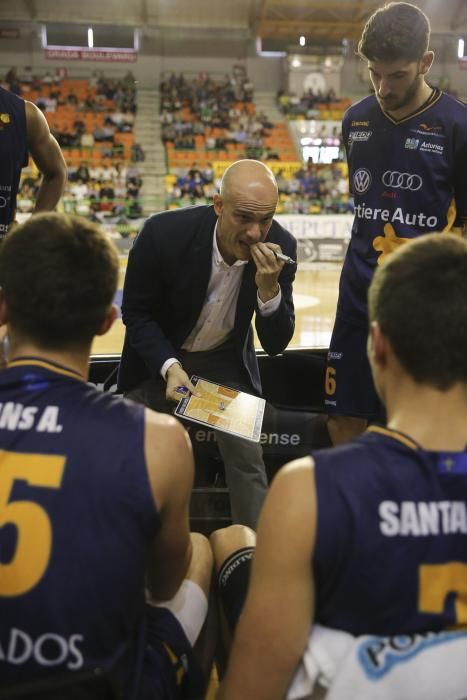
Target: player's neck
{"x":435,"y":420}
{"x":75,"y":360}
{"x":422,"y":95}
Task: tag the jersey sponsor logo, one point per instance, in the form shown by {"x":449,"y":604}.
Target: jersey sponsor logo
{"x":47,"y":650}
{"x":378,"y":655}
{"x":362,"y":180}
{"x":3,"y":201}
{"x":420,"y":219}
{"x":427,"y":130}
{"x":359,"y":136}
{"x":360,"y":123}
{"x":422,"y":519}
{"x":412,"y":144}
{"x":335,"y":355}
{"x":402,"y":181}
{"x":428,"y":147}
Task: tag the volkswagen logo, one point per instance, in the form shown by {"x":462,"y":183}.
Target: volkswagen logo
{"x":402,"y":181}
{"x":362,"y":180}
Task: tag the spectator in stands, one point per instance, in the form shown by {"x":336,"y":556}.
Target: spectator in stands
{"x":82,"y":172}
{"x":182,"y":264}
{"x":23,"y":131}
{"x":371,"y":545}
{"x":27,"y":76}
{"x":11,"y":77}
{"x":137,"y":153}
{"x":111,"y":486}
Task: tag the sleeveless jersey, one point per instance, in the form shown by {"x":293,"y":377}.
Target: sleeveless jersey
{"x":13,"y":154}
{"x":391,"y":547}
{"x":76,"y":519}
{"x":407,"y":178}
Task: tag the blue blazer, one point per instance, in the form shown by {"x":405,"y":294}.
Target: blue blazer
{"x":165,"y":287}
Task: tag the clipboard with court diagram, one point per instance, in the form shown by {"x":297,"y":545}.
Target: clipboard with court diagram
{"x":222,"y":408}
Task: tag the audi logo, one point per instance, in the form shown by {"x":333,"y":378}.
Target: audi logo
{"x":3,"y":202}
{"x":361,"y":180}
{"x":402,"y":181}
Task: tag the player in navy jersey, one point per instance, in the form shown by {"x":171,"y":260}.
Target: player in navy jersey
{"x":407,"y":154}
{"x":94,"y":490}
{"x":24,"y":130}
{"x":369,"y":537}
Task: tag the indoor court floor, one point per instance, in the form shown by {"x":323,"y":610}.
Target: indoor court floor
{"x":315,"y":298}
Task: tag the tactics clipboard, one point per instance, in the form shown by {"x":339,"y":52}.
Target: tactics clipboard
{"x":222,"y":408}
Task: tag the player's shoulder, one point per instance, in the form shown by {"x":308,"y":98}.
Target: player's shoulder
{"x":354,"y":454}
{"x":360,"y":111}
{"x":166,"y":438}
{"x":450,"y":110}
{"x":454,"y":103}
{"x":168,"y":453}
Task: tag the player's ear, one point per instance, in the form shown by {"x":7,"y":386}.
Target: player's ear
{"x":427,"y":61}
{"x":377,"y":345}
{"x":107,"y":323}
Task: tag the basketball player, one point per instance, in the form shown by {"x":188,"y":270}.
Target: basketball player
{"x":24,"y":130}
{"x":94,"y":490}
{"x":407,"y":154}
{"x":370,"y":537}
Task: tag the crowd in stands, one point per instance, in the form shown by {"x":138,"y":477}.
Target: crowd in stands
{"x":312,"y":189}
{"x":214,"y":115}
{"x":310,"y":103}
{"x":92,"y":121}
{"x":100,"y":192}
{"x":315,"y":189}
{"x":210,"y":119}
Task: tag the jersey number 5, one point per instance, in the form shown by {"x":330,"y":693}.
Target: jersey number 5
{"x":34,"y":530}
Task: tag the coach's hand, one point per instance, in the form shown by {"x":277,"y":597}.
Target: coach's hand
{"x":176,"y":377}
{"x":268,"y":269}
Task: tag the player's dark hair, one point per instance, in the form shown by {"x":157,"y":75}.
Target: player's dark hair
{"x":59,"y":275}
{"x":419,"y":299}
{"x":396,"y":31}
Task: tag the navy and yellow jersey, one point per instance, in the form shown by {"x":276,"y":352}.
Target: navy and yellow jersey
{"x":407,"y":178}
{"x":13,"y":154}
{"x":77,"y":516}
{"x":391,"y":547}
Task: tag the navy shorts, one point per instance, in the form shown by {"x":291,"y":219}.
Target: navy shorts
{"x":167,"y":668}
{"x":348,"y":388}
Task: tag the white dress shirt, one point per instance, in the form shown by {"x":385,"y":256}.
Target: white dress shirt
{"x":217,"y":316}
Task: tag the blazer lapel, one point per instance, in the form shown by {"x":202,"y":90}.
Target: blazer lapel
{"x":246,"y":298}
{"x":201,"y":262}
